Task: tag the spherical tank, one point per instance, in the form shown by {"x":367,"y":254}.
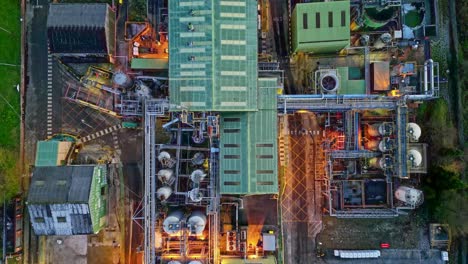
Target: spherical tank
{"x":415,"y":157}
{"x":197,"y":223}
{"x":171,"y":224}
{"x":166,"y":176}
{"x":163,"y":155}
{"x":164,"y":193}
{"x":122,"y":79}
{"x":197,"y":176}
{"x":414,"y":131}
{"x":409,"y":195}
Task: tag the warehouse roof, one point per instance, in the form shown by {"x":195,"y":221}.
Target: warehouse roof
{"x":321,"y":27}
{"x":65,"y":184}
{"x":77,"y":15}
{"x":213,"y":55}
{"x":248,"y":156}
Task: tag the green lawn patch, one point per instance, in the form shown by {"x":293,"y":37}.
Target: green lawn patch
{"x":10,"y":41}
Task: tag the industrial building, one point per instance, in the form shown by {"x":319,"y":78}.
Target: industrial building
{"x":68,"y":200}
{"x":87,"y":29}
{"x":320,"y":27}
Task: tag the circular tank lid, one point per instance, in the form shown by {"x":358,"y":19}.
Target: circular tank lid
{"x":164,"y":193}
{"x":414,"y":130}
{"x":195,"y":195}
{"x":329,"y":82}
{"x":163,"y":155}
{"x":120,"y":78}
{"x":197,"y":223}
{"x":197,"y":176}
{"x":415,"y":157}
{"x":198,"y":158}
{"x":171,"y":224}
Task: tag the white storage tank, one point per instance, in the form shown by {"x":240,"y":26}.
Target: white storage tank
{"x":163,"y":193}
{"x":174,"y":262}
{"x":414,"y":131}
{"x":121,"y":79}
{"x":195,"y":195}
{"x":408,"y":195}
{"x":196,"y":223}
{"x":380,"y":129}
{"x":380,"y":163}
{"x":197,"y":176}
{"x":415,"y":158}
{"x":172,"y":224}
{"x":385,"y":145}
{"x":166,"y":176}
{"x":195,"y":262}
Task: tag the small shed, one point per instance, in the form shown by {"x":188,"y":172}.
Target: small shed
{"x":52,"y":153}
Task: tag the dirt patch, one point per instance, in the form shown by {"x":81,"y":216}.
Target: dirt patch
{"x":403,"y":232}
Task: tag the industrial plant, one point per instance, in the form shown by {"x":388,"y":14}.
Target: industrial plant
{"x":249,"y":124}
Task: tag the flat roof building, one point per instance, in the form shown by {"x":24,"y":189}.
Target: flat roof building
{"x":320,"y":27}
{"x":81,"y":29}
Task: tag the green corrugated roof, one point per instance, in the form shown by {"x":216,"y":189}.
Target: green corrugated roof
{"x":323,"y":38}
{"x":97,"y":205}
{"x":248,"y":143}
{"x":47,"y":153}
{"x":213,"y":67}
{"x":149,"y":64}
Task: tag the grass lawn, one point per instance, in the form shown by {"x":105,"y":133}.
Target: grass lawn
{"x":10,"y":41}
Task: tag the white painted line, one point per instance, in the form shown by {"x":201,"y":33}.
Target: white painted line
{"x":192,"y":88}
{"x":233,"y":88}
{"x":193,"y":73}
{"x":233,"y":73}
{"x":233,"y":42}
{"x":192,"y":50}
{"x":192,"y":34}
{"x":231,"y":3}
{"x":233,"y":15}
{"x":234,"y":58}
{"x":192,"y":19}
{"x":49,"y":117}
{"x":193,"y":65}
{"x":231,"y":26}
{"x":233,"y":104}
{"x":187,"y":104}
{"x":192,"y":3}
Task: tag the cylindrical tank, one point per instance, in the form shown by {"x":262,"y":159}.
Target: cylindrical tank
{"x":196,"y":223}
{"x":415,"y":157}
{"x":172,"y":225}
{"x":195,"y":262}
{"x":414,"y":131}
{"x":376,"y":18}
{"x":385,"y":145}
{"x":197,"y":176}
{"x":163,"y":155}
{"x":383,"y":41}
{"x":379,"y":129}
{"x":174,"y":262}
{"x":195,"y":195}
{"x":198,"y":158}
{"x":121,"y":79}
{"x":381,"y":163}
{"x":164,"y":193}
{"x":411,"y":196}
{"x":166,"y":176}
{"x":329,"y":82}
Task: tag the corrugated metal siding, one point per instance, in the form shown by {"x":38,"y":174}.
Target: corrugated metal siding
{"x":75,"y":219}
{"x":97,"y":205}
